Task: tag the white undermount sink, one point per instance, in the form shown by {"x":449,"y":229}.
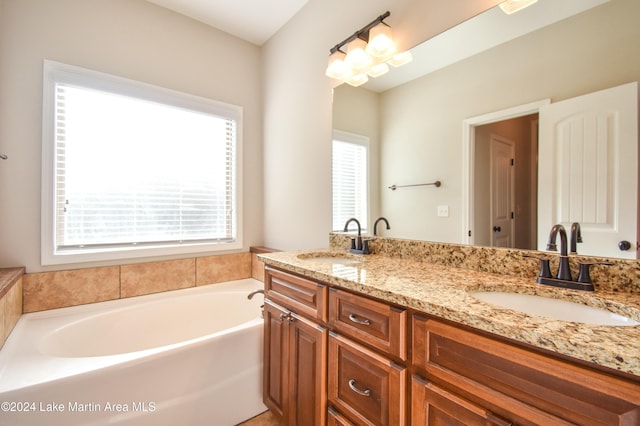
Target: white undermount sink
{"x":553,"y":308}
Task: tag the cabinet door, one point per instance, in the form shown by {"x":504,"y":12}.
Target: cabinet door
{"x":275,"y":358}
{"x":307,"y":372}
{"x":367,"y":387}
{"x":433,"y":406}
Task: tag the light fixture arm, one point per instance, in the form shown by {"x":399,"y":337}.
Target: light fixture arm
{"x":362,"y":33}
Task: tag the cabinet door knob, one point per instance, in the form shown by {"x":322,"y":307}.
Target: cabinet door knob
{"x":352,"y":385}
{"x":624,"y":245}
{"x":287,"y":317}
{"x":354,"y":318}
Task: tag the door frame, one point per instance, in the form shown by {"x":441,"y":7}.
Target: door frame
{"x":468,"y":155}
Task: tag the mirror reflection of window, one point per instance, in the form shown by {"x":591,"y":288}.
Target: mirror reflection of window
{"x":350,"y":179}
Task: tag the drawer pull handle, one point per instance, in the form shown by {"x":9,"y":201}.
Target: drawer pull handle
{"x":352,"y":385}
{"x":357,"y":320}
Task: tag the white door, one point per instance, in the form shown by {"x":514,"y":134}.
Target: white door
{"x":588,"y":170}
{"x":502,"y":196}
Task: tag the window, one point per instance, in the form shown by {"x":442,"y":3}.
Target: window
{"x":133,"y":170}
{"x":350,"y":179}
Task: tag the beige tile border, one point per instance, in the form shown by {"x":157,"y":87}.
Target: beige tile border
{"x":50,"y":290}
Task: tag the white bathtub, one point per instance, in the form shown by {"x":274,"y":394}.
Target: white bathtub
{"x":186,"y":357}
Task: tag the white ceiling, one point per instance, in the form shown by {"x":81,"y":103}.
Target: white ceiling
{"x":252,"y":20}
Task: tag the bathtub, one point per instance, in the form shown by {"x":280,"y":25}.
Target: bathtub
{"x":187,"y":357}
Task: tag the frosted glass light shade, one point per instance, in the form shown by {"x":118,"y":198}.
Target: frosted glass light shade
{"x":513,"y":6}
{"x":378,"y":69}
{"x":337,"y":67}
{"x":400,"y":58}
{"x":357,"y":79}
{"x":357,"y":58}
{"x":381,"y":43}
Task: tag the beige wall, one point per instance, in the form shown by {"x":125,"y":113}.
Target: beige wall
{"x":129,"y":38}
{"x":297,"y":105}
{"x":592,"y":51}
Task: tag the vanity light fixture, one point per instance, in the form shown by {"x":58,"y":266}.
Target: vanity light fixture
{"x":368,"y":51}
{"x":513,"y":6}
{"x":357,"y":58}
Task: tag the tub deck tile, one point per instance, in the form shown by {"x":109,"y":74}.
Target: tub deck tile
{"x":217,"y":269}
{"x":156,"y":277}
{"x":59,"y":289}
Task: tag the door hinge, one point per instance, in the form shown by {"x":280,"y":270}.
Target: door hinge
{"x":513,"y":215}
{"x":469,"y":232}
{"x":513,"y":161}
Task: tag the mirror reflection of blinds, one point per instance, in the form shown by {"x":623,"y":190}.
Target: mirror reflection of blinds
{"x":349,"y":175}
{"x":134,"y":172}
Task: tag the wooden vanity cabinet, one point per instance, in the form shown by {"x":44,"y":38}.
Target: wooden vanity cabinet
{"x":495,"y":382}
{"x":295,"y":348}
{"x":365,"y":384}
{"x":339,"y":358}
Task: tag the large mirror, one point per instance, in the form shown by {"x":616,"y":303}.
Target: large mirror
{"x":414,"y":117}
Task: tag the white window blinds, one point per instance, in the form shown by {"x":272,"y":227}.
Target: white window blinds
{"x":133,"y":172}
{"x":349,"y":179}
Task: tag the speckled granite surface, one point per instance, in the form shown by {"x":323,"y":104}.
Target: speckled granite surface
{"x":444,"y":291}
{"x":620,"y":276}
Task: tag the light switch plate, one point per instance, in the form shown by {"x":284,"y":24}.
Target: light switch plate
{"x":443,"y":211}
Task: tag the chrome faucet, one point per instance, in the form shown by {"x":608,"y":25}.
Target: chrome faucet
{"x":564,"y":271}
{"x":357,"y":245}
{"x":375,"y":225}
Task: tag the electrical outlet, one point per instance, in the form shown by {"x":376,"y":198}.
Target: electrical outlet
{"x":443,"y":211}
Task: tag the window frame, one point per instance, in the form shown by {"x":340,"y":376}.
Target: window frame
{"x":55,"y":72}
{"x":356,"y":139}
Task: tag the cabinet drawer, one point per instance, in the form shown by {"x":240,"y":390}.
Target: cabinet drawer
{"x":365,"y":386}
{"x":375,"y":323}
{"x":432,"y":405}
{"x":524,"y":385}
{"x":336,"y":419}
{"x":299,"y":294}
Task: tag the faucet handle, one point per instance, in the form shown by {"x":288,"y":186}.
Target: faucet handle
{"x":545,"y":268}
{"x":583,"y":273}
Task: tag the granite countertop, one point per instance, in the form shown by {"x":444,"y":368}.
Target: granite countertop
{"x":445,"y":292}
